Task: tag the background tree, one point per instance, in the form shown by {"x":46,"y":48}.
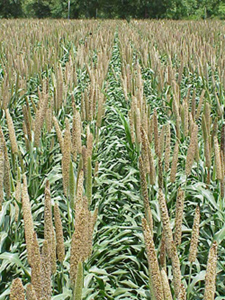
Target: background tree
{"x":123,"y":9}
{"x":10,"y":8}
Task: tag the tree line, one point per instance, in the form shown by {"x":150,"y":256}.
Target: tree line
{"x":123,"y":9}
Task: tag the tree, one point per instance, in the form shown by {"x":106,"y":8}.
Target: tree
{"x":10,"y":8}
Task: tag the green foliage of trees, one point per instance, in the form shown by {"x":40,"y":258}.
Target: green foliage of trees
{"x":10,"y":8}
{"x":123,"y":9}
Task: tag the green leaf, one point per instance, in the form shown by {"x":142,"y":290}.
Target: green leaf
{"x":220,"y":235}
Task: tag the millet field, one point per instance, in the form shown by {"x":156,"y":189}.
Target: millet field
{"x":112,"y":160}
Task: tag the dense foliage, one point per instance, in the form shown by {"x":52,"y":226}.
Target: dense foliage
{"x":172,"y":9}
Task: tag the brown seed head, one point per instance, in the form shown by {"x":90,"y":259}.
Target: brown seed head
{"x":174,"y":163}
{"x":79,"y":190}
{"x":46,"y":271}
{"x":144,"y":191}
{"x":145,"y":150}
{"x":59,"y":234}
{"x":12,"y":134}
{"x":218,"y":162}
{"x":66,"y":157}
{"x":49,"y":234}
{"x":186,"y":114}
{"x":193,"y":104}
{"x":176,"y":269}
{"x":131,"y":123}
{"x":17,"y":290}
{"x":78,"y":132}
{"x":152,"y":167}
{"x":162,"y":258}
{"x":156,"y":132}
{"x":167,"y":150}
{"x":210,"y":277}
{"x":191,"y":150}
{"x":30,"y":292}
{"x":27,"y":122}
{"x":207,"y":154}
{"x":58,"y":132}
{"x":3,"y":148}
{"x":179,"y":216}
{"x":182,"y":294}
{"x":77,"y":244}
{"x":166,"y":286}
{"x":154,"y":272}
{"x":205,"y":132}
{"x":207,"y":113}
{"x":194,"y":237}
{"x":89,"y":142}
{"x":39,"y":118}
{"x":214,"y":130}
{"x":36,"y":266}
{"x":161,"y":141}
{"x":28,"y":220}
{"x":138,"y":126}
{"x":166,"y":222}
{"x":200,"y":104}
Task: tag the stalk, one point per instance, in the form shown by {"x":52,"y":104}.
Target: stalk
{"x":189,"y":281}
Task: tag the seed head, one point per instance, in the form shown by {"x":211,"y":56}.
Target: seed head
{"x":58,"y":132}
{"x":156,"y":133}
{"x":210,"y":277}
{"x":154,"y":272}
{"x":40,"y":117}
{"x":182,"y":294}
{"x":193,"y":104}
{"x":66,"y":158}
{"x":191,"y":150}
{"x":17,"y":290}
{"x":145,"y":150}
{"x":49,"y":233}
{"x":186,"y":113}
{"x":176,"y":269}
{"x":179,"y":216}
{"x":36,"y":266}
{"x":78,"y":252}
{"x":138,"y":126}
{"x":27,"y":122}
{"x":162,"y":258}
{"x":46,"y":271}
{"x":77,"y":295}
{"x":167,"y":150}
{"x":207,"y":113}
{"x":144,"y":190}
{"x":30,"y":292}
{"x":89,"y":142}
{"x":174,"y":163}
{"x":12,"y":134}
{"x":166,"y":286}
{"x":28,"y":221}
{"x":166,"y":222}
{"x":152,"y":167}
{"x":194,"y":237}
{"x":59,"y":234}
{"x":200,"y":104}
{"x":218,"y":162}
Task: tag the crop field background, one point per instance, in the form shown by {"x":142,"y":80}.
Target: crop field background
{"x":112,"y":160}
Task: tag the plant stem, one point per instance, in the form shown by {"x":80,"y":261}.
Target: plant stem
{"x":189,"y":282}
